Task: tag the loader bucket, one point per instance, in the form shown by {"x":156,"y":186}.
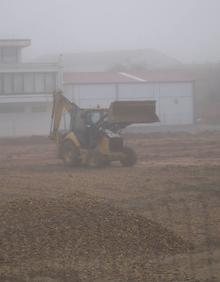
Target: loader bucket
{"x":133,"y":112}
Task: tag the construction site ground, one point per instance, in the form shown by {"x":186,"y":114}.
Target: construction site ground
{"x":157,"y":221}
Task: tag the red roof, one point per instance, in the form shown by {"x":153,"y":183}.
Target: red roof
{"x":125,"y":77}
{"x":164,"y":75}
{"x":94,"y":77}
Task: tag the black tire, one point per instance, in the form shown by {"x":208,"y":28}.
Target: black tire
{"x":70,"y":154}
{"x":129,"y":157}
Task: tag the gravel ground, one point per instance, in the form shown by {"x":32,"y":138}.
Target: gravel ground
{"x":158,"y":221}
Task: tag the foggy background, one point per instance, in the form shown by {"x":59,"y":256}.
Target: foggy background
{"x":186,"y":30}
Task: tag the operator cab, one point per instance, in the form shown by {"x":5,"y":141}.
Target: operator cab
{"x":93,"y":117}
{"x":92,"y":127}
{"x":85,"y":124}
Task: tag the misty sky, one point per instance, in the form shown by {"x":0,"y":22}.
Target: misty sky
{"x":188,"y":30}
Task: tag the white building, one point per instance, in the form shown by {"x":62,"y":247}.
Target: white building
{"x":25,"y":91}
{"x":173,"y":93}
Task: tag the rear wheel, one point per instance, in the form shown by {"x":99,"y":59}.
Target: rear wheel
{"x":70,"y":154}
{"x":129,"y":157}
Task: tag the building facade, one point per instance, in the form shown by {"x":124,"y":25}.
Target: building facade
{"x":25,"y":91}
{"x":174,"y":95}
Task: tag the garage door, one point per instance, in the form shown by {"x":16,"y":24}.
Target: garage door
{"x":176,"y":103}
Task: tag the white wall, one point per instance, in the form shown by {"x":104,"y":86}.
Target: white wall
{"x":174,"y":104}
{"x":25,"y":101}
{"x":24,"y":124}
{"x":174,"y":101}
{"x":91,"y":95}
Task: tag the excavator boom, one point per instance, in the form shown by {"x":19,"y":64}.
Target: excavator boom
{"x":60,"y":104}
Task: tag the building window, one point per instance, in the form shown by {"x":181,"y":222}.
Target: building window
{"x":1,"y":84}
{"x":29,"y":83}
{"x":39,"y":82}
{"x":9,"y":55}
{"x":50,"y":82}
{"x":25,"y":83}
{"x":18,"y":83}
{"x":8,"y":83}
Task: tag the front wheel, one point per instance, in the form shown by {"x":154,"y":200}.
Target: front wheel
{"x":129,"y":157}
{"x":70,"y":154}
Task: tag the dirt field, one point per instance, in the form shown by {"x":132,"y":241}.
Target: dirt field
{"x":158,"y":221}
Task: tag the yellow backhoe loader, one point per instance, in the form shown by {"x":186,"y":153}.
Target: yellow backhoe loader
{"x":93,"y":136}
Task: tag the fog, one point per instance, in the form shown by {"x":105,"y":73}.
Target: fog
{"x":187,"y":30}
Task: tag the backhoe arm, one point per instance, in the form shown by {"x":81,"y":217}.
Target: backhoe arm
{"x":60,"y":104}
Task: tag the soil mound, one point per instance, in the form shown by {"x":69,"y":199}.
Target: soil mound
{"x":80,"y":227}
